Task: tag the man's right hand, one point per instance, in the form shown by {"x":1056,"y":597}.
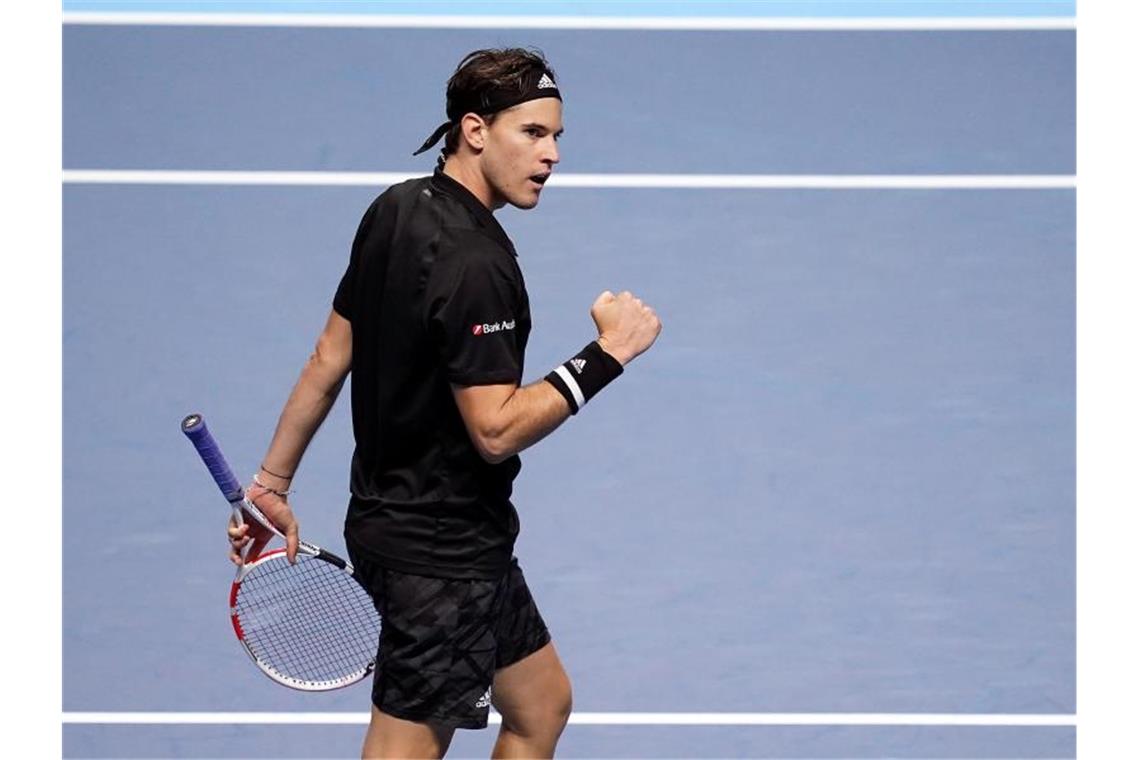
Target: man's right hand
{"x":626,"y":326}
{"x":252,"y":534}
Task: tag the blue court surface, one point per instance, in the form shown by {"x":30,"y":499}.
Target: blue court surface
{"x":842,"y":483}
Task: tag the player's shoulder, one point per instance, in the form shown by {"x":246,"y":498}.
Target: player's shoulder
{"x":402,"y":193}
{"x":388,"y":204}
{"x":429,"y":217}
{"x":429,"y":207}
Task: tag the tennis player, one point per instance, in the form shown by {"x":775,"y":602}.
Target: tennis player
{"x":432,"y":318}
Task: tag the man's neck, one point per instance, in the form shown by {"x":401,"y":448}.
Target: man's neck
{"x":467,"y":173}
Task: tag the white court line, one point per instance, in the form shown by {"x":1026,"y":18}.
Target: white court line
{"x":677,"y":23}
{"x":665,"y":181}
{"x":595,"y":719}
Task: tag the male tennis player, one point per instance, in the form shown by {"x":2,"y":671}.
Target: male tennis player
{"x":432,"y":318}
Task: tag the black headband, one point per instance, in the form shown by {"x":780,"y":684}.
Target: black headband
{"x":539,"y":85}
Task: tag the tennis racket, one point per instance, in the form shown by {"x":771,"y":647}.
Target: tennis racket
{"x":310,"y":625}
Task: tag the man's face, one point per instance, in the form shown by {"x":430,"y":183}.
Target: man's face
{"x":520,"y":151}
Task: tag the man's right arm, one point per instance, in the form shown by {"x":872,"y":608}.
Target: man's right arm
{"x":504,"y":419}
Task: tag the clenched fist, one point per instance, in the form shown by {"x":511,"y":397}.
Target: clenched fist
{"x":626,"y":326}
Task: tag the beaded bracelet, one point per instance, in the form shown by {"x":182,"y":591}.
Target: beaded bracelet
{"x":274,"y":491}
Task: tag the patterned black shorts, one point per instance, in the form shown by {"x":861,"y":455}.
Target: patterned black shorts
{"x":443,"y":639}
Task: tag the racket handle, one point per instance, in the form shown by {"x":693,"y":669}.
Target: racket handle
{"x":194,"y":426}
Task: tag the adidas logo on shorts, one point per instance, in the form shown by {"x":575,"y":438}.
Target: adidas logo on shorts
{"x":485,"y":700}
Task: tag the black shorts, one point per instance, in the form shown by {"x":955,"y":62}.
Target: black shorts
{"x":441,"y":641}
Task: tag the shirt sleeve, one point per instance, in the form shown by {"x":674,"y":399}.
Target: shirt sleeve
{"x":346,"y":290}
{"x":473,"y":311}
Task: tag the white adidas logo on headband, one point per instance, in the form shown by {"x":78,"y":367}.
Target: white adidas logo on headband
{"x":546,"y":83}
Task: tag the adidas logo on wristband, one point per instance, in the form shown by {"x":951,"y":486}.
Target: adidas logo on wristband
{"x":579,"y":380}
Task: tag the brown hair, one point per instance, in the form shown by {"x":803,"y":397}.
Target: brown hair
{"x":485,"y":70}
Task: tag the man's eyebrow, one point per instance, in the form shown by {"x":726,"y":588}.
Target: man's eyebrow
{"x":543,"y":127}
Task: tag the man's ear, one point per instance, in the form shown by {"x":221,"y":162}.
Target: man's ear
{"x":474,"y":131}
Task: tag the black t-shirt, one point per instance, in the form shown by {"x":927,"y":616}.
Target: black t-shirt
{"x":435,"y":297}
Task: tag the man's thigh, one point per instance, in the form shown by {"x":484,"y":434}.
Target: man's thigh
{"x":518,"y":626}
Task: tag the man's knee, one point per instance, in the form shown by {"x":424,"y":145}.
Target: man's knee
{"x":562,"y":703}
{"x":392,"y":737}
{"x":546,"y":716}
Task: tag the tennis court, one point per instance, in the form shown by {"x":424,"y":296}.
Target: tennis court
{"x":829,"y":515}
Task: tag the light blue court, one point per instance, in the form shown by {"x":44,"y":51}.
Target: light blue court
{"x":611,"y":8}
{"x":842,"y":102}
{"x":841,"y":483}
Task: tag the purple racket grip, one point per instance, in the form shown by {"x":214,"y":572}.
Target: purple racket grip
{"x":194,"y":426}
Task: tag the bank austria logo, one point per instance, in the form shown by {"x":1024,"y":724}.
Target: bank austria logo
{"x":487,"y":328}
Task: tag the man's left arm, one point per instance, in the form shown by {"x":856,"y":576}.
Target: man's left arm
{"x":309,"y":403}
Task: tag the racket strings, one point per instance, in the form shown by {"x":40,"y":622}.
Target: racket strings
{"x":309,"y":622}
{"x":303,"y":626}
